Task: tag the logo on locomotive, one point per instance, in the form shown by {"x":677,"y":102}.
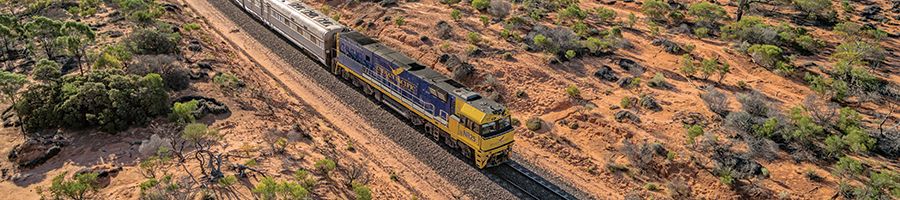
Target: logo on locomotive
{"x":394,"y":77}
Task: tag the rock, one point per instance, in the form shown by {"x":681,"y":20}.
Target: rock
{"x":151,"y":146}
{"x":197,"y":74}
{"x":606,"y":73}
{"x":631,"y":66}
{"x":194,"y":45}
{"x":477,"y":52}
{"x":608,"y":2}
{"x":625,"y":115}
{"x":204,"y":65}
{"x":35,"y":151}
{"x":424,"y":39}
{"x":358,"y":22}
{"x":690,"y":118}
{"x":171,"y":7}
{"x":649,"y":102}
{"x":627,"y":1}
{"x":388,"y":3}
{"x":443,"y":59}
{"x":668,"y":45}
{"x":871,"y":12}
{"x":444,"y":30}
{"x":115,"y":33}
{"x":625,"y":82}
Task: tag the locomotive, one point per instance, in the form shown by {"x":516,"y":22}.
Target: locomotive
{"x":479,"y":128}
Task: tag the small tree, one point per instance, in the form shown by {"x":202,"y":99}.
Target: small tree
{"x":76,"y":38}
{"x":847,"y":167}
{"x":77,"y":189}
{"x":183,"y":112}
{"x":688,"y":67}
{"x":692,"y":132}
{"x":10,"y":84}
{"x":44,"y":30}
{"x":47,"y":71}
{"x":573,"y":91}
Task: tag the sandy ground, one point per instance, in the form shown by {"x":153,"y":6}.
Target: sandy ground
{"x":576,"y":154}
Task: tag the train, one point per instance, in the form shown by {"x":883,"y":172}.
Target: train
{"x":447,"y":112}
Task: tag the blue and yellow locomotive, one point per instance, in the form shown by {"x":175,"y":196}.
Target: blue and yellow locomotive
{"x":449,"y":112}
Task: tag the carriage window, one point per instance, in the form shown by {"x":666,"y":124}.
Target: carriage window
{"x":438,"y":93}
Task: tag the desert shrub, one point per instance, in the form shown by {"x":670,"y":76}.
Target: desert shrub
{"x":605,"y":15}
{"x":768,"y":129}
{"x":626,"y":102}
{"x":751,"y":29}
{"x":860,"y":52}
{"x":481,"y":4}
{"x":227,"y":80}
{"x":108,"y":99}
{"x":708,"y":67}
{"x":834,"y":145}
{"x":848,"y":119}
{"x":858,"y":140}
{"x":808,"y":43}
{"x":658,"y":81}
{"x":851,"y":31}
{"x":175,"y":76}
{"x":701,"y":32}
{"x":534,"y":124}
{"x":79,"y":188}
{"x":656,"y":10}
{"x":499,"y":8}
{"x":198,"y":132}
{"x":765,"y":55}
{"x":688,"y":67}
{"x":183,"y":113}
{"x":716,"y":101}
{"x":820,"y":10}
{"x":855,"y":80}
{"x":805,"y":127}
{"x":325,"y":165}
{"x":400,"y":21}
{"x":847,"y":167}
{"x":581,"y":29}
{"x":754,"y":103}
{"x":572,"y":13}
{"x":706,"y":14}
{"x":570,"y":54}
{"x":362,"y":192}
{"x":557,"y":39}
{"x":151,"y":42}
{"x":693,"y":131}
{"x":473,"y":38}
{"x":455,"y":15}
{"x":269,"y":189}
{"x":679,"y":189}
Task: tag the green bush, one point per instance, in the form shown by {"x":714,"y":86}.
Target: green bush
{"x":183,"y":113}
{"x":152,"y":42}
{"x":701,"y":32}
{"x":688,"y":67}
{"x":108,"y":99}
{"x":626,"y":102}
{"x":767,"y":129}
{"x":47,"y":70}
{"x":605,"y":15}
{"x":227,"y":80}
{"x":847,"y":167}
{"x":80,"y":188}
{"x":572,"y":13}
{"x":694,"y":131}
{"x":481,"y":4}
{"x":455,"y":15}
{"x":656,"y":10}
{"x":707,"y":14}
{"x":658,"y":81}
{"x":325,"y":165}
{"x":570,"y":54}
{"x":860,"y":53}
{"x":473,"y":38}
{"x":362,"y":192}
{"x":196,"y":132}
{"x":766,"y":55}
{"x":751,"y":29}
{"x":534,"y":124}
{"x":821,"y":10}
{"x":804,"y":125}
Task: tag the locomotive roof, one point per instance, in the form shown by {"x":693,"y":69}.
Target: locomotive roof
{"x":432,"y":77}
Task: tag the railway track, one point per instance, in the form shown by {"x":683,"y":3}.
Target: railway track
{"x":525,"y":184}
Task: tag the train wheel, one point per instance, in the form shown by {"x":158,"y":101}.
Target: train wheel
{"x":336,"y":70}
{"x":368,"y":89}
{"x":465,"y":150}
{"x":435,"y":135}
{"x":356,"y":82}
{"x":345,"y":74}
{"x":449,"y":141}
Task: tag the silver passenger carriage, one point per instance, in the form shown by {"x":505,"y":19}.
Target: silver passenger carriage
{"x":300,"y":23}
